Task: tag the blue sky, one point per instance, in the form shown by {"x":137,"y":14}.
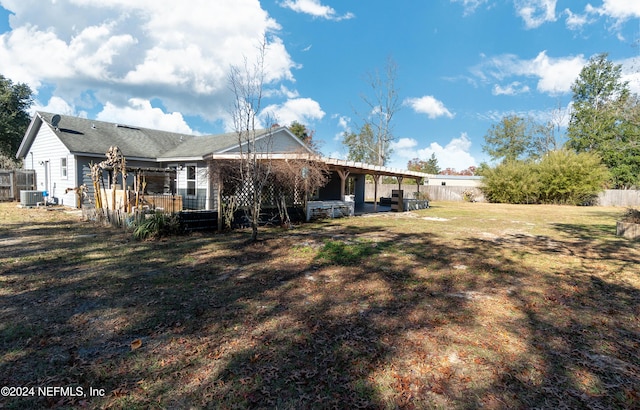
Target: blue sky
{"x":461,"y":64}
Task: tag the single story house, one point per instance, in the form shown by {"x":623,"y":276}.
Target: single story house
{"x":60,"y":149}
{"x":471,"y":181}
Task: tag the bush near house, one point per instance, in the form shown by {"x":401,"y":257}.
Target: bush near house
{"x":156,"y":225}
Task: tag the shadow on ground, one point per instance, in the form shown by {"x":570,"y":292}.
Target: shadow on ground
{"x":325,"y":316}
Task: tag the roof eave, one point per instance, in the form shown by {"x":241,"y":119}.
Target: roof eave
{"x":29,"y":136}
{"x":338,"y":163}
{"x":98,"y":155}
{"x":181,"y":159}
{"x":374,"y":169}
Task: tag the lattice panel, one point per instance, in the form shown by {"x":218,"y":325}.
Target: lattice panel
{"x":270,"y":194}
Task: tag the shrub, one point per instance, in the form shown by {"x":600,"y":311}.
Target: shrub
{"x":514,"y":182}
{"x":561,"y":177}
{"x":570,"y":178}
{"x":631,"y":215}
{"x":156,"y":225}
{"x":468,"y":195}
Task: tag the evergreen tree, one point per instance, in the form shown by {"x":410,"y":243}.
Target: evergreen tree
{"x":508,"y":140}
{"x":604,"y":120}
{"x":302,"y":132}
{"x":362,"y":146}
{"x":429,"y":166}
{"x":15,"y":100}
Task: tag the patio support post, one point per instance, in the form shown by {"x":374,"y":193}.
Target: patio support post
{"x":219,"y":199}
{"x":376,"y":179}
{"x":399,"y":178}
{"x":344,"y":174}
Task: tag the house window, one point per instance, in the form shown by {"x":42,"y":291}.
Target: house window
{"x":191,"y":180}
{"x":63,"y":168}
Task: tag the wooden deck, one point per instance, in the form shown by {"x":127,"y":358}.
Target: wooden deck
{"x":166,"y":203}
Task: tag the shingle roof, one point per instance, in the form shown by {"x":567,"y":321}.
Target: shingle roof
{"x":91,"y":137}
{"x":202,"y":145}
{"x":81,"y":135}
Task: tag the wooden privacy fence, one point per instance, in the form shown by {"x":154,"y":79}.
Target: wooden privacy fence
{"x":385,"y":190}
{"x":609,"y":197}
{"x":12,"y":181}
{"x":452,"y":193}
{"x":434,"y":192}
{"x":619,"y":197}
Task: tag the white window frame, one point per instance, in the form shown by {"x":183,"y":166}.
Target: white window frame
{"x":194,"y":180}
{"x":64,"y":168}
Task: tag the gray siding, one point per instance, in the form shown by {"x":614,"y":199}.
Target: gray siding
{"x":279,"y":142}
{"x":283,"y":142}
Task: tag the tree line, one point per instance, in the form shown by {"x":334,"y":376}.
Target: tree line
{"x":15,"y":100}
{"x":602,"y":147}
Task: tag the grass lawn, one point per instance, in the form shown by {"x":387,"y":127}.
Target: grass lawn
{"x":458,"y":306}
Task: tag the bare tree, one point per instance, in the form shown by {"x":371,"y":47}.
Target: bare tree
{"x":547,"y":136}
{"x":246,"y":83}
{"x":294,"y":180}
{"x":383,"y":103}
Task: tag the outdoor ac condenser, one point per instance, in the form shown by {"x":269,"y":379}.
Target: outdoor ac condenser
{"x":31,"y":198}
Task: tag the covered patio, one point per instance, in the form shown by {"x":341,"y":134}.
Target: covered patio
{"x":344,"y":169}
{"x":333,"y":199}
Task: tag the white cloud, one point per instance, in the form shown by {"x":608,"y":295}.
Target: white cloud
{"x":56,"y":105}
{"x":140,"y":112}
{"x":620,"y":10}
{"x":302,"y":110}
{"x":404,"y":144}
{"x":343,"y":125}
{"x":283,"y":91}
{"x":470,"y":6}
{"x":510,"y":89}
{"x":576,"y":21}
{"x":630,"y":73}
{"x":343,"y":122}
{"x":179,"y":53}
{"x":315,"y":9}
{"x":617,"y":10}
{"x":555,"y":75}
{"x":558,"y":115}
{"x":456,"y":154}
{"x":428,"y":105}
{"x":337,"y":155}
{"x":536,"y":12}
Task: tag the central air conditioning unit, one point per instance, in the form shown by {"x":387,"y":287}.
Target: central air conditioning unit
{"x":31,"y":198}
